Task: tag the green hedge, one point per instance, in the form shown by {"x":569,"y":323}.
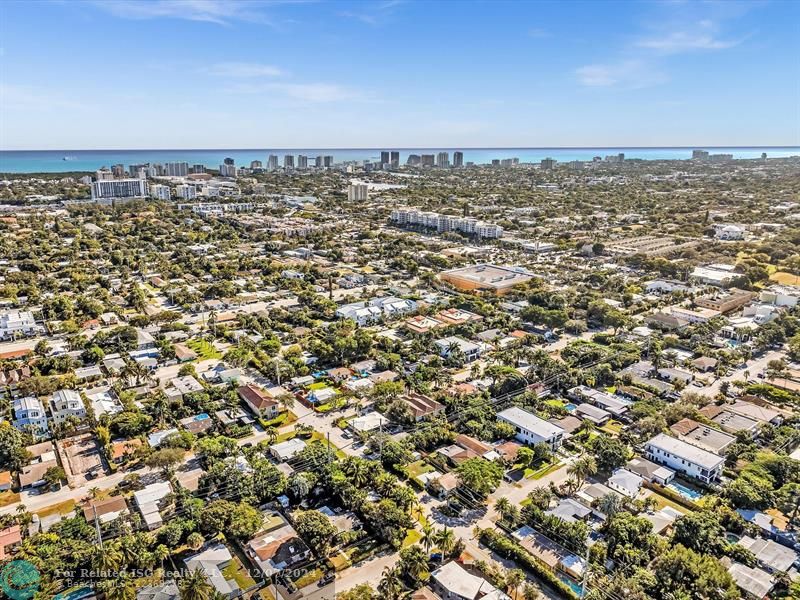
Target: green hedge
{"x":508,"y":548}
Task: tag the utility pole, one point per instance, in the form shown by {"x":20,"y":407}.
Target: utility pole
{"x":329,"y":448}
{"x":97,"y":526}
{"x":585,"y":580}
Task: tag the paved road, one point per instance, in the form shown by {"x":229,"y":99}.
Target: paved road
{"x":753,"y":368}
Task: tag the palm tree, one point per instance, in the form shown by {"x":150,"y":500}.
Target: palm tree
{"x":514,"y":579}
{"x":428,"y":540}
{"x":161,"y":553}
{"x":195,"y":586}
{"x":503,"y":507}
{"x":272,"y":435}
{"x":580,"y":470}
{"x":160,"y":407}
{"x":390,"y":586}
{"x":107,"y":559}
{"x":446,"y":541}
{"x":121,"y":588}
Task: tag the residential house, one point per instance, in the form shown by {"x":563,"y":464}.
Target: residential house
{"x":287,"y":450}
{"x":702,"y":436}
{"x":625,"y":482}
{"x":66,"y":403}
{"x":10,"y":537}
{"x":421,"y":406}
{"x":650,"y":471}
{"x":730,"y":421}
{"x":530,"y":429}
{"x":147,"y":501}
{"x":277,"y":547}
{"x":685,"y":458}
{"x":105,"y":510}
{"x":448,"y":345}
{"x":29,"y":414}
{"x":259,"y":401}
{"x":452,"y":582}
{"x":212,"y":561}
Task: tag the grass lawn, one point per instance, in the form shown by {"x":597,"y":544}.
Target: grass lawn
{"x":8,"y":497}
{"x":317,"y":386}
{"x":412,"y":538}
{"x":308,"y":578}
{"x":555,"y":403}
{"x":204,"y":349}
{"x":340,"y":561}
{"x":418,"y":468}
{"x":612,"y":427}
{"x":62,"y":508}
{"x":316,"y":435}
{"x":662,"y":502}
{"x":785,"y":278}
{"x":285,"y":418}
{"x":531,"y":474}
{"x":239,"y":574}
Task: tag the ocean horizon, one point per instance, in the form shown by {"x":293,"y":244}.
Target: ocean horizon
{"x":60,"y":161}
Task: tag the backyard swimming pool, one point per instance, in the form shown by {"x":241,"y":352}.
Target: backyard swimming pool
{"x":684,"y":491}
{"x":574,"y":586}
{"x":570,"y":407}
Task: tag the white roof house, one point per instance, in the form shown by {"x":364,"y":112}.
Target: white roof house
{"x":66,"y":403}
{"x":684,"y":457}
{"x":452,"y":582}
{"x":147,"y":501}
{"x":530,"y":428}
{"x":287,"y":450}
{"x":773,"y":556}
{"x":625,"y":483}
{"x":155,"y":439}
{"x":368,"y":422}
{"x":212,"y":560}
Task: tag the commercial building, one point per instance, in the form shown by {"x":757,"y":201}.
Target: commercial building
{"x":119,"y":188}
{"x":728,"y":302}
{"x":531,"y":429}
{"x":486,"y":277}
{"x":685,"y":458}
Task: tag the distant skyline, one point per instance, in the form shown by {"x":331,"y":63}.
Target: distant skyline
{"x":249,"y":74}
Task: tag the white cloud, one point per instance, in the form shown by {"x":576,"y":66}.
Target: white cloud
{"x":632,"y":74}
{"x":686,"y":41}
{"x":243,"y":70}
{"x":221,"y":12}
{"x":312,"y":93}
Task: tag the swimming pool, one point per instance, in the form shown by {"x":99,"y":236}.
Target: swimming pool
{"x":201,"y":417}
{"x":685,"y":491}
{"x":570,"y":407}
{"x":571,"y":583}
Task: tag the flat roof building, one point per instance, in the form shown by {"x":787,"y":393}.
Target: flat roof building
{"x":531,"y":429}
{"x":486,"y":277}
{"x":685,"y":458}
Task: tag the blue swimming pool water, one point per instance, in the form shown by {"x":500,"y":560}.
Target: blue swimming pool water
{"x":201,"y":417}
{"x":570,"y":407}
{"x":574,"y":586}
{"x":685,"y":491}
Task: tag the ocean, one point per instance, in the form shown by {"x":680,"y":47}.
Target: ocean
{"x":59,"y":161}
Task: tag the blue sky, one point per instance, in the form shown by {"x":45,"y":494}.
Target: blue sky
{"x":252,"y":74}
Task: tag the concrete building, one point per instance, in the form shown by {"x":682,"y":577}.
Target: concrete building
{"x":186,"y":191}
{"x":119,"y":188}
{"x":443,"y":160}
{"x":161,"y":192}
{"x":29,"y":414}
{"x":176,"y":169}
{"x":358,"y":192}
{"x":66,"y":403}
{"x":685,"y":458}
{"x":458,"y":159}
{"x":531,"y":429}
{"x":18,"y":323}
{"x":452,"y":582}
{"x":448,"y":345}
{"x":486,"y":277}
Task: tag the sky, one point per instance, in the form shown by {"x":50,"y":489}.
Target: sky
{"x":98,"y":74}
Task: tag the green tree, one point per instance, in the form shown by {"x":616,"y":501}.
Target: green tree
{"x":316,"y":529}
{"x":683,"y":573}
{"x":479,"y":475}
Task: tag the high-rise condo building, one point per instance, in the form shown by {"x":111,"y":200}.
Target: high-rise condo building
{"x":358,"y":192}
{"x":458,"y":159}
{"x":118,"y":171}
{"x":385,"y":158}
{"x":328,"y":161}
{"x":443,"y":160}
{"x":161,"y":192}
{"x":288,"y":161}
{"x":176,"y":169}
{"x":413,"y":160}
{"x":302,"y":161}
{"x":427,"y":160}
{"x":119,"y":188}
{"x":186,"y":191}
{"x":197,"y":169}
{"x":547,"y":163}
{"x":272,"y":162}
{"x":256,"y":164}
{"x":394,"y":159}
{"x":319,"y":162}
